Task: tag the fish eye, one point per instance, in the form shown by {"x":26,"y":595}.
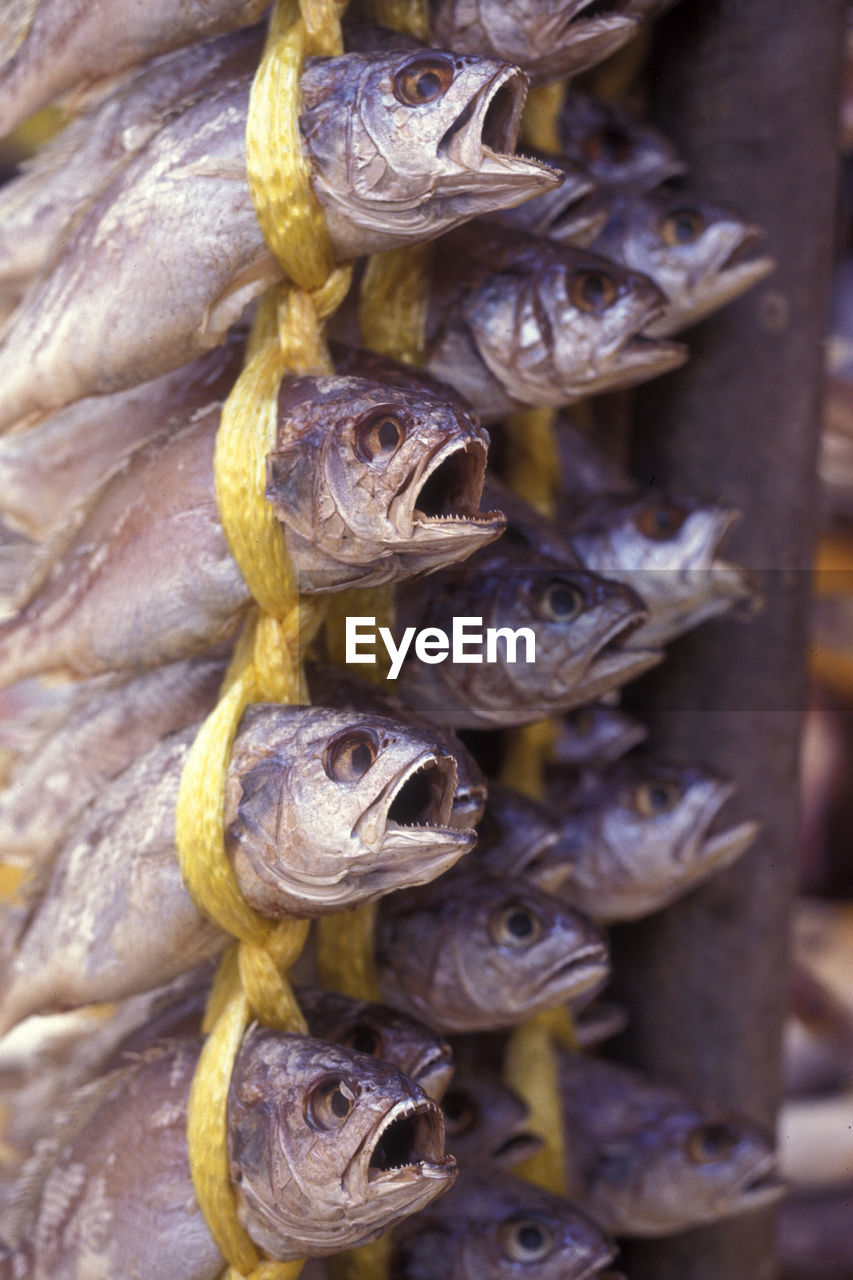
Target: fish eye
{"x":350,"y":755}
{"x":526,"y":1240}
{"x":593,"y":291}
{"x":654,"y":798}
{"x":660,"y":522}
{"x":330,"y":1103}
{"x":709,"y":1142}
{"x":561,"y":601}
{"x":611,"y":145}
{"x":460,"y":1111}
{"x":379,"y":436}
{"x":364,"y":1039}
{"x":423,"y":80}
{"x":683,"y":226}
{"x":515,"y":925}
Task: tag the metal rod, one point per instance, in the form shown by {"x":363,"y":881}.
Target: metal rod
{"x":748,"y":89}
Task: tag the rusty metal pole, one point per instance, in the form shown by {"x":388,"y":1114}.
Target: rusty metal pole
{"x":749,"y":91}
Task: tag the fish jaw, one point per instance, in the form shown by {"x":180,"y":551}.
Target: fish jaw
{"x":587,"y":41}
{"x":442,"y":508}
{"x":615,"y":667}
{"x":413,"y":852}
{"x":587,"y":969}
{"x":402,"y":1166}
{"x":760,"y":1188}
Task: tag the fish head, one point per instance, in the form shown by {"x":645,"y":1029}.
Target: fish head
{"x":499,"y":1226}
{"x":486,"y":1120}
{"x":562,"y":214}
{"x":486,"y":952}
{"x":553,"y":323}
{"x":428,"y":143}
{"x":368,"y":474}
{"x":549,"y":41}
{"x":380,"y":1032}
{"x":595,"y":735}
{"x":326,"y":1146}
{"x":514,"y":832}
{"x":616,"y":149}
{"x":699,"y":255}
{"x":325,"y":809}
{"x":668,"y":550}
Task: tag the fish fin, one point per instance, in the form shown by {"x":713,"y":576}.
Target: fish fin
{"x":290,"y":473}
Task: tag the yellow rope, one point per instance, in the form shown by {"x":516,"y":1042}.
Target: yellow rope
{"x":345,"y":959}
{"x":527,"y":749}
{"x":394,"y":300}
{"x":533,"y":460}
{"x":530,"y":1067}
{"x":409,"y":16}
{"x":287,"y":337}
{"x":541,"y":113}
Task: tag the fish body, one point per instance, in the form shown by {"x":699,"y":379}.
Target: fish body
{"x":549,"y":41}
{"x":327,"y":1149}
{"x":495,"y":1225}
{"x":613,"y":146}
{"x":52,"y":46}
{"x":47,"y":788}
{"x":641,"y":839}
{"x":337,"y":687}
{"x":168,"y":253}
{"x":516,"y":321}
{"x":363,"y":479}
{"x":696,"y":253}
{"x":668,"y":550}
{"x":480,"y":953}
{"x":486,"y":1122}
{"x":643,"y":1159}
{"x":323,"y":810}
{"x":578,"y":622}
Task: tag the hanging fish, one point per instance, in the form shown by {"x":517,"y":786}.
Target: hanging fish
{"x":49,"y":474}
{"x":486,"y":1122}
{"x":495,"y":1225}
{"x":699,"y":255}
{"x":515,"y":833}
{"x":614,"y":147}
{"x":481,"y":953}
{"x":337,"y":687}
{"x":168,"y":254}
{"x":639,"y":839}
{"x":642,"y":1159}
{"x":579,"y":624}
{"x":49,"y":47}
{"x":327,"y":1149}
{"x":594,"y":736}
{"x":667,"y":549}
{"x":367,"y":482}
{"x":516,"y":320}
{"x":323,"y":810}
{"x":549,"y":39}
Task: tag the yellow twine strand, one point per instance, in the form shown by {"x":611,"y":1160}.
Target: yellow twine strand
{"x":345,"y":957}
{"x":408,"y":16}
{"x":287,"y":337}
{"x":530,"y":1067}
{"x":533,"y":459}
{"x":393,"y":302}
{"x":541,"y":114}
{"x":527,"y":749}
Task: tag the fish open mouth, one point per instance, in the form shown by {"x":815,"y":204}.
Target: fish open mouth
{"x":587,"y":966}
{"x":409,"y":1146}
{"x":760,"y":1187}
{"x":517,"y":1147}
{"x":451,"y":491}
{"x":722,"y":848}
{"x":616,"y":663}
{"x":424,"y":798}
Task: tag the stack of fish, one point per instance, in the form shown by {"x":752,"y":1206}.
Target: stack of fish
{"x":130,"y":261}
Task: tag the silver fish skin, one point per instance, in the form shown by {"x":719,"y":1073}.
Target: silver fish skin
{"x":48,"y":787}
{"x":517,"y":321}
{"x":698,"y":254}
{"x":51,"y":472}
{"x":571,"y":214}
{"x":641,"y":839}
{"x":168,"y":254}
{"x":667,"y":548}
{"x":485,"y":1122}
{"x":594,"y":736}
{"x":645,"y":1160}
{"x":337,"y":687}
{"x":514,"y":833}
{"x":614,"y":147}
{"x":52,"y":46}
{"x":579,"y":622}
{"x":39,"y":203}
{"x":364,"y":479}
{"x":313,"y":1132}
{"x":479,"y":953}
{"x":549,"y":41}
{"x":323,"y":810}
{"x":495,"y":1225}
{"x":45,"y":1058}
